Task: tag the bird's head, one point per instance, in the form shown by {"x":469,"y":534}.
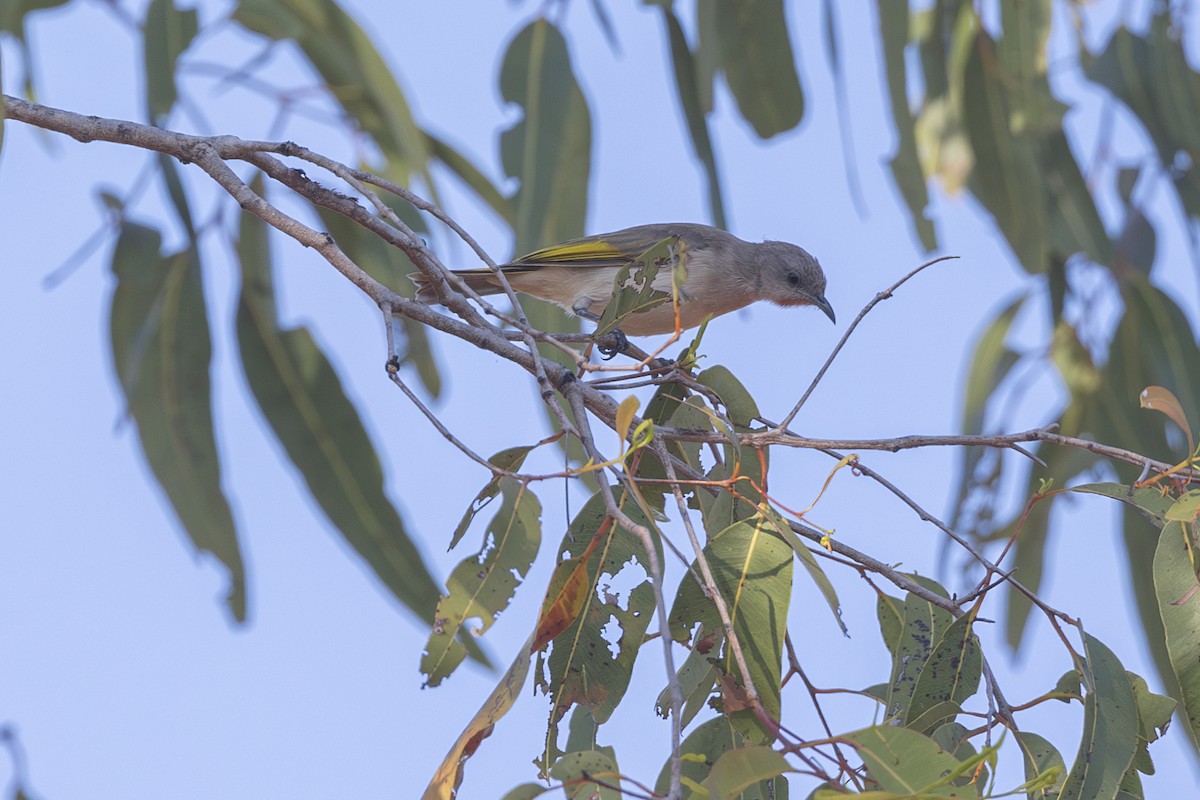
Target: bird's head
{"x":791,"y":277}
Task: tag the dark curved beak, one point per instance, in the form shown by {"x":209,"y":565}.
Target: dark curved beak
{"x":820,"y":302}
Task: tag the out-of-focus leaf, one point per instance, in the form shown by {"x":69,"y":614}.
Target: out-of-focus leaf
{"x":391,"y":267}
{"x":449,"y":774}
{"x":905,"y":762}
{"x":1007,"y":178}
{"x":483,"y":584}
{"x":752,"y":568}
{"x":1178,"y":592}
{"x":759,"y":65}
{"x":1151,"y":75}
{"x":742,"y":768}
{"x":469,"y":174}
{"x":1062,"y":465}
{"x":991,"y":362}
{"x":693,"y":83}
{"x":703,"y":748}
{"x":1042,"y":761}
{"x":906,"y":164}
{"x":549,"y":149}
{"x":1137,"y":246}
{"x":1072,"y":224}
{"x":166,"y":34}
{"x":584,"y":667}
{"x":528,"y":791}
{"x":161,"y":352}
{"x":1110,"y":727}
{"x":12,"y":14}
{"x":356,"y":74}
{"x":302,"y":399}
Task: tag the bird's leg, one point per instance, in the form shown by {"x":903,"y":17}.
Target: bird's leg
{"x":607,"y":352}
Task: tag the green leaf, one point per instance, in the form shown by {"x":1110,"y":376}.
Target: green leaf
{"x":302,"y":399}
{"x":752,"y":568}
{"x":1008,"y":177}
{"x":702,"y":749}
{"x":949,"y":676}
{"x":1178,"y":593}
{"x":1150,"y":501}
{"x":1043,"y":765}
{"x":697,"y":677}
{"x":1110,"y":727}
{"x":527,"y":791}
{"x":584,"y":667}
{"x":12,"y":14}
{"x":906,"y":164}
{"x":633,"y":286}
{"x":167,"y":32}
{"x":890,"y":612}
{"x":353,"y":70}
{"x":906,"y":763}
{"x":549,"y":149}
{"x":695,"y":98}
{"x":759,"y":65}
{"x":925,"y":625}
{"x":580,"y":766}
{"x":742,"y":768}
{"x":810,"y":564}
{"x":738,"y":402}
{"x":483,"y":584}
{"x":1154,"y":717}
{"x":161,"y":352}
{"x":509,"y":460}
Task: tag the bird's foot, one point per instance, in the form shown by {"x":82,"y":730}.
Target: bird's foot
{"x":615,"y":344}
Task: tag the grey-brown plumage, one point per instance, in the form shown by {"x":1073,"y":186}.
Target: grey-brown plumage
{"x":724,"y":273}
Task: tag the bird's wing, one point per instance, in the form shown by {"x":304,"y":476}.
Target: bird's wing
{"x":605,"y":250}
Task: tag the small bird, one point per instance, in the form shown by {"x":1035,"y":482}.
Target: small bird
{"x":723,"y":274}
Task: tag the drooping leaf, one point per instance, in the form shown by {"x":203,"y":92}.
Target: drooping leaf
{"x":301,"y":396}
{"x":697,"y":677}
{"x":483,"y":584}
{"x":924,"y":625}
{"x":510,"y":460}
{"x":1110,"y":728}
{"x":585,"y":667}
{"x":752,"y":568}
{"x":579,"y":768}
{"x":1154,"y":717}
{"x":353,"y":70}
{"x":549,"y":149}
{"x":738,"y":402}
{"x":1178,"y":592}
{"x":167,"y":33}
{"x":1149,"y":501}
{"x":694,"y":88}
{"x":949,"y":676}
{"x":759,"y":65}
{"x":161,"y":353}
{"x":905,"y":164}
{"x":449,"y":774}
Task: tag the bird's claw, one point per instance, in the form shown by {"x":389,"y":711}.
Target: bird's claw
{"x":611,"y":351}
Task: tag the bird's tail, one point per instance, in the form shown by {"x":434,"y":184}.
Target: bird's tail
{"x":482,"y":281}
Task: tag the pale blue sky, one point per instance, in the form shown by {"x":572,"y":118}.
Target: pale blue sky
{"x":121,"y":671}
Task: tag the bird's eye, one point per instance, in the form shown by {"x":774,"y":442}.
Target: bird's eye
{"x":793,"y":279}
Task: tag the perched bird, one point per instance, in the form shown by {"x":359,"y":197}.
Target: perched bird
{"x":723,"y":274}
